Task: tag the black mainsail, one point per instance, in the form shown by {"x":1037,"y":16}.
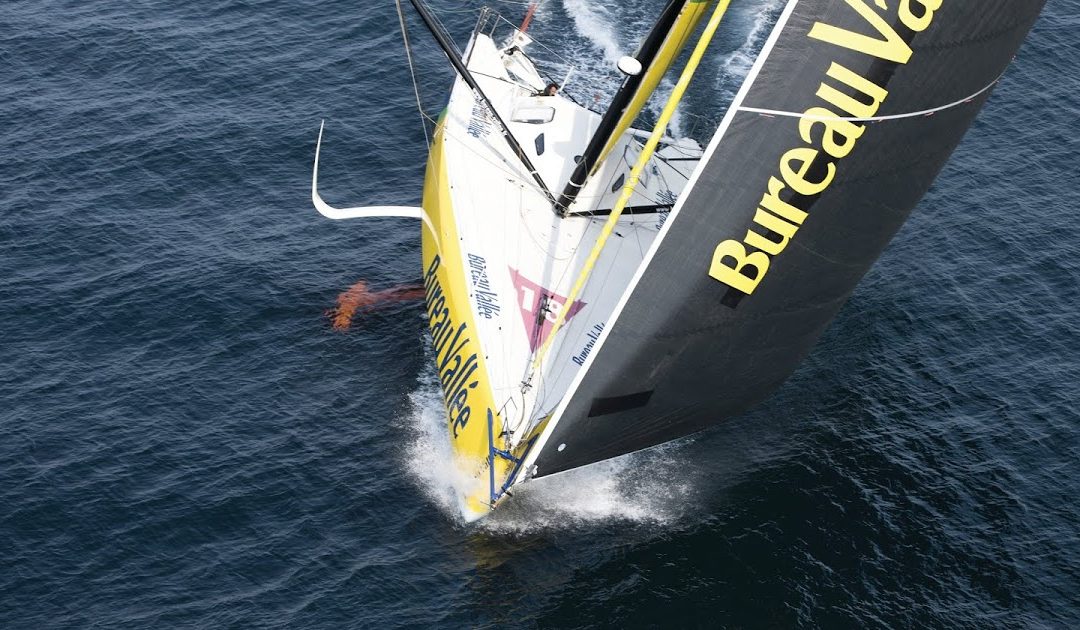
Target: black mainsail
{"x":846,"y":119}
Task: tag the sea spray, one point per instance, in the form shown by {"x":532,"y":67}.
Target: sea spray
{"x":594,"y":22}
{"x":651,"y":487}
{"x":736,"y":64}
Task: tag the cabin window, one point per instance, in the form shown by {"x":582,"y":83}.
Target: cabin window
{"x":534,"y":115}
{"x":540,"y":144}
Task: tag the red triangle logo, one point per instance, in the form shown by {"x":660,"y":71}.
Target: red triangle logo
{"x":539,"y":308}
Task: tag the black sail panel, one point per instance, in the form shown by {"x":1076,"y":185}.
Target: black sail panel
{"x":818,"y":201}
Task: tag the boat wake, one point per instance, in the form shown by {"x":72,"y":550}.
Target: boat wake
{"x":608,"y":30}
{"x":599,"y":26}
{"x":593,"y":21}
{"x":735,"y":65}
{"x":643,"y":488}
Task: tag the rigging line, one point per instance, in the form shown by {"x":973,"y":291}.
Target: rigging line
{"x":412,"y":72}
{"x":446,"y":32}
{"x":544,"y":380}
{"x":540,"y":44}
{"x":527,"y":380}
{"x":543,"y":394}
{"x":925,"y":112}
{"x":512,"y":175}
{"x":452,"y":55}
{"x":507,"y":81}
{"x":643,"y":161}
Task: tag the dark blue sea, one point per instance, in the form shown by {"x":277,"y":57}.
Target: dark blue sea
{"x":186,"y":441}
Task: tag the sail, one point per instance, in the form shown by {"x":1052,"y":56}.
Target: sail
{"x":845,"y":120}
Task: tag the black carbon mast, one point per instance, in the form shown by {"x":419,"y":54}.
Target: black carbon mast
{"x":459,"y":65}
{"x":610,"y":122}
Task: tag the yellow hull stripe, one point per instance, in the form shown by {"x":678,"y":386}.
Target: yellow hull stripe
{"x":459,"y":358}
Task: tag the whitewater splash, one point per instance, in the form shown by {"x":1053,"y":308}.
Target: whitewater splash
{"x":735,"y":65}
{"x":644,"y":488}
{"x":608,"y":27}
{"x":594,"y":22}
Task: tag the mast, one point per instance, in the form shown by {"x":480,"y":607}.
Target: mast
{"x":459,"y":65}
{"x":626,"y":101}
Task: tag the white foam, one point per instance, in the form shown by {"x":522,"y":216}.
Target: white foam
{"x":736,"y":64}
{"x":429,"y":457}
{"x":660,"y":99}
{"x":645,"y":488}
{"x":593,"y":21}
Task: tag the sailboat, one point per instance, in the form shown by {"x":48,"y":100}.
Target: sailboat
{"x":594,"y":288}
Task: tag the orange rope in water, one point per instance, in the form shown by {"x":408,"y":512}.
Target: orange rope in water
{"x":359,"y":299}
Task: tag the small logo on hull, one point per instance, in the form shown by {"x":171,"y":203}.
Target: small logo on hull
{"x":539,"y":308}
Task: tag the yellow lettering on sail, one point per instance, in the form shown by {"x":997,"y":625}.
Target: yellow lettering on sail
{"x":921,"y":22}
{"x":853,"y":106}
{"x":830,"y":132}
{"x":891,"y":48}
{"x":734,"y":276}
{"x":795,"y":176}
{"x":775,"y":225}
{"x":838,"y":136}
{"x":773,"y":203}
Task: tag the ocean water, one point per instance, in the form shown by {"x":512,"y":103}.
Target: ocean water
{"x":187,"y":441}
